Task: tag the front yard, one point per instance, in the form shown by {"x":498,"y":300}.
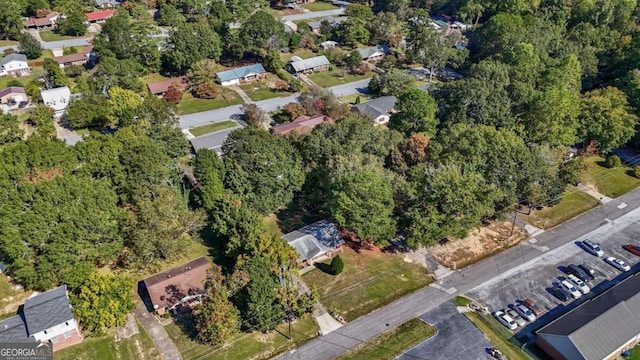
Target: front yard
{"x":319,"y":6}
{"x":253,"y":346}
{"x":336,"y":77}
{"x":260,"y":90}
{"x":573,"y":203}
{"x":353,"y":98}
{"x":209,"y":128}
{"x":190,"y":104}
{"x":610,"y":182}
{"x":49,"y":35}
{"x":370,"y":279}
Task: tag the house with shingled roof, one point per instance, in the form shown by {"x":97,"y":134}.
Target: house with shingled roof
{"x":297,"y":65}
{"x":378,"y":109}
{"x":99,"y":16}
{"x":42,"y":23}
{"x":315,"y":242}
{"x":254,"y":72}
{"x":301,"y":125}
{"x":14,"y":65}
{"x":158,"y":88}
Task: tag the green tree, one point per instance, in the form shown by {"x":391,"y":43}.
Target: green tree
{"x":398,"y":7}
{"x":471,"y":11}
{"x":353,"y":31}
{"x":89,"y":111}
{"x":385,"y":28}
{"x":9,"y":129}
{"x":394,"y":82}
{"x":337,"y":265}
{"x":191,"y":42}
{"x":261,"y":308}
{"x":272,"y":61}
{"x":216,"y":318}
{"x":416,"y":113}
{"x":29,"y":46}
{"x":170,"y":16}
{"x":266,"y":170}
{"x":209,"y":171}
{"x":429,"y":48}
{"x":53,"y":75}
{"x":121,"y":73}
{"x":72,"y":24}
{"x":262,"y":33}
{"x":123,"y":105}
{"x":606,"y":118}
{"x":363,"y":202}
{"x":11,"y":18}
{"x":41,"y":118}
{"x":354,"y":58}
{"x":103,"y":302}
{"x":613,"y":161}
{"x":497,"y":35}
{"x":359,"y":11}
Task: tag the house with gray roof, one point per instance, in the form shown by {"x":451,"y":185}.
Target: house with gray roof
{"x":108,"y":3}
{"x":316,"y":26}
{"x":378,"y":109}
{"x":14,"y":65}
{"x":373,"y":53}
{"x":297,"y":65}
{"x":600,"y":328}
{"x":315,"y":242}
{"x":254,"y":72}
{"x":44,"y":318}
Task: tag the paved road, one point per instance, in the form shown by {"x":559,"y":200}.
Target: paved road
{"x":312,"y":15}
{"x":459,"y":281}
{"x":55,"y":44}
{"x":226,"y":113}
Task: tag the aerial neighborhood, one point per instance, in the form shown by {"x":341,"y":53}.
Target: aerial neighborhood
{"x":344,"y":179}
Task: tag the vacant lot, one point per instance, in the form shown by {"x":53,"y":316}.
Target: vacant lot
{"x":207,"y":129}
{"x":610,"y":182}
{"x":319,"y":6}
{"x":573,"y":203}
{"x":139,"y":346}
{"x":253,"y":346}
{"x":190,"y":104}
{"x":262,"y":90}
{"x":336,"y":77}
{"x":52,"y":36}
{"x":498,"y":335}
{"x":370,"y":279}
{"x":392,"y":342}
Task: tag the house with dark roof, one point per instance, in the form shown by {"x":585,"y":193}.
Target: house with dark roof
{"x":178,"y":288}
{"x":316,"y":26}
{"x":254,"y":72}
{"x":600,"y":328}
{"x":13,"y":94}
{"x":99,"y":16}
{"x":42,"y":23}
{"x":378,"y":109}
{"x":14,"y":65}
{"x":373,"y":53}
{"x":301,"y":125}
{"x":158,"y":88}
{"x":44,"y":318}
{"x":297,"y":65}
{"x":315,"y":242}
{"x":80,"y":58}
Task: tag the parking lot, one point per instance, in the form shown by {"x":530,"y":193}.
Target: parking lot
{"x":532,"y":278}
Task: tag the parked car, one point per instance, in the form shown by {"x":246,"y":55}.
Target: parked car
{"x":577,"y":271}
{"x":535,"y":309}
{"x":593,"y":248}
{"x":580,"y":285}
{"x":516,"y":317}
{"x":23,"y":104}
{"x":560,"y":293}
{"x":565,"y":284}
{"x":589,"y":271}
{"x":505,"y":320}
{"x":617,"y":263}
{"x":634,"y":249}
{"x":525,"y":313}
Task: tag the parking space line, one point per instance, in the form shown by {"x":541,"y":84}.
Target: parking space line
{"x":547,"y":304}
{"x":605,"y":269}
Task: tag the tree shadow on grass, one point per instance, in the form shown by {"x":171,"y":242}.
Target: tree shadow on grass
{"x":295,"y":216}
{"x":216,"y":248}
{"x":187,"y":325}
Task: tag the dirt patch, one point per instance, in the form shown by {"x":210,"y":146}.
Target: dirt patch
{"x":481,"y":243}
{"x":263,"y":338}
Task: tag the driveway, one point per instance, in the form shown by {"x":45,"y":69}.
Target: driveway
{"x":456,"y":337}
{"x":313,"y":15}
{"x":163,"y":342}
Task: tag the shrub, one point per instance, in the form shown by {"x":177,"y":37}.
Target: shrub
{"x":636,"y":171}
{"x":613,"y":161}
{"x":337,"y":265}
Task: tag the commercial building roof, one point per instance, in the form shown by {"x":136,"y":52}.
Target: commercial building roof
{"x":309,"y":64}
{"x":241,"y":72}
{"x":596,"y":328}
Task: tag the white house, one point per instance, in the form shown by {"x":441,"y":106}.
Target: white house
{"x":255,"y":72}
{"x":373,"y":53}
{"x":14,"y":65}
{"x":57,"y":99}
{"x":378,"y":109}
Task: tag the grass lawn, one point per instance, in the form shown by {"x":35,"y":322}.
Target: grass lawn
{"x":190,"y":105}
{"x":392,"y":342}
{"x":10,"y":299}
{"x":336,"y":77}
{"x":24,"y":80}
{"x":253,"y":346}
{"x":499,"y":338}
{"x":319,"y":6}
{"x":369,"y":280}
{"x":573,"y":203}
{"x":8,"y":42}
{"x":139,"y":346}
{"x":610,"y":182}
{"x":461,"y":301}
{"x":260,"y":90}
{"x":49,"y":35}
{"x":206,"y":129}
{"x":351,"y":99}
{"x":153,"y":77}
{"x":271,"y":225}
{"x":301,"y":53}
{"x":635,"y":353}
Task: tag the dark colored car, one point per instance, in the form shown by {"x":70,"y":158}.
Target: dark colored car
{"x":589,"y":271}
{"x":575,"y":270}
{"x":535,"y":309}
{"x":561,"y":294}
{"x":632,"y":249}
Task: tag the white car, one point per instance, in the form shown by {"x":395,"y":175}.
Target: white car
{"x":579,"y":284}
{"x":571,"y":289}
{"x":516,"y":317}
{"x":593,"y":248}
{"x":505,"y":320}
{"x":524,"y":312}
{"x":617,"y":263}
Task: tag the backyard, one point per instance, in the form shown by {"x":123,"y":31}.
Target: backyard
{"x":370,"y":279}
{"x":244,"y":346}
{"x":209,"y":128}
{"x":573,"y":203}
{"x":24,"y":80}
{"x":190,"y":104}
{"x":392,"y":342}
{"x":610,"y":182}
{"x":336,"y":77}
{"x":12,"y":297}
{"x":139,"y":346}
{"x":260,"y":90}
{"x":301,"y":53}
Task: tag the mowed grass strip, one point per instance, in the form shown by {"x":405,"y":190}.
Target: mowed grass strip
{"x":319,"y":6}
{"x":393,"y":342}
{"x":190,"y":104}
{"x":497,"y":338}
{"x":209,"y":128}
{"x":610,"y":182}
{"x":370,"y":279}
{"x":336,"y":77}
{"x":573,"y":203}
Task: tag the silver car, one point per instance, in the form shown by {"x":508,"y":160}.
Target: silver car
{"x":593,"y":248}
{"x":525,"y":312}
{"x":516,"y":317}
{"x":617,"y":263}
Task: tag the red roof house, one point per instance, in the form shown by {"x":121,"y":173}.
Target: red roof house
{"x":160,"y":87}
{"x":302,"y":124}
{"x":99,"y":16}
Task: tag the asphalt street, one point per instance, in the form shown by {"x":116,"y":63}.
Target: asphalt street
{"x":463,"y":280}
{"x":312,"y":15}
{"x":55,"y":44}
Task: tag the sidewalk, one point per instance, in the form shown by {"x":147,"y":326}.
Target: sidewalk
{"x":591,"y":191}
{"x":241,"y":93}
{"x":163,"y":342}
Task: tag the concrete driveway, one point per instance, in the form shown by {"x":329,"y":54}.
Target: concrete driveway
{"x":158,"y":334}
{"x":456,"y":337}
